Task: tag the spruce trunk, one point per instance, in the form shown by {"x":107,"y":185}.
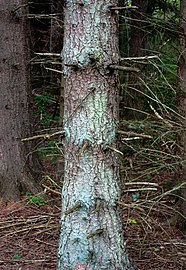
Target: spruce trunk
{"x":91,"y":229}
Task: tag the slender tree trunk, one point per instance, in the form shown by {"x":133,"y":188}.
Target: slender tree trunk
{"x":91,"y":229}
{"x":138,"y":46}
{"x":181,"y":101}
{"x":138,"y":41}
{"x":15,"y":173}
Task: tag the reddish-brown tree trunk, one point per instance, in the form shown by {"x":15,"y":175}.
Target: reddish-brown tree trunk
{"x":138,"y":41}
{"x":15,"y":173}
{"x":138,"y":45}
{"x":181,"y":102}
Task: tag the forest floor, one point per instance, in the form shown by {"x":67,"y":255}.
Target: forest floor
{"x":29,"y":231}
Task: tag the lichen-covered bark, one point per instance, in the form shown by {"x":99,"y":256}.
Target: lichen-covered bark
{"x":91,"y":232}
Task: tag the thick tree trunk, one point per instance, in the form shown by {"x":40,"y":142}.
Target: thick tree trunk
{"x":181,"y":101}
{"x":91,"y":229}
{"x":15,"y":174}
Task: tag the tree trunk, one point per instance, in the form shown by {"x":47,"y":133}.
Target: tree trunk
{"x":15,"y":173}
{"x":138,"y":41}
{"x":138,"y":46}
{"x":91,"y":229}
{"x":181,"y":101}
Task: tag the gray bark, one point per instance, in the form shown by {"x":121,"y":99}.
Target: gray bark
{"x":91,"y":230}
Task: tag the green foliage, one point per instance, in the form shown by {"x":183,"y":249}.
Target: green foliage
{"x":164,"y":6}
{"x":36,"y":200}
{"x":132,"y":221}
{"x":135,"y":196}
{"x":17,"y":256}
{"x":50,"y":151}
{"x":43,"y":103}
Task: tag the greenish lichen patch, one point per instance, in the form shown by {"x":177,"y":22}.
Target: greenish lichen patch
{"x":92,"y":122}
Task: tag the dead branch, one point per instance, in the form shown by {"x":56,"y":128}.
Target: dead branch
{"x":131,"y":133}
{"x":124,"y":8}
{"x":44,"y":136}
{"x":127,"y":69}
{"x":139,"y":58}
{"x":48,"y":54}
{"x":130,"y":206}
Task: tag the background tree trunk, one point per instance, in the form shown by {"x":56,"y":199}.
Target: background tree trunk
{"x":181,"y":101}
{"x":91,"y":229}
{"x":138,"y":41}
{"x":15,"y":156}
{"x":137,"y":48}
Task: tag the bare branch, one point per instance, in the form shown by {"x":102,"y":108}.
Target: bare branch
{"x":42,"y":16}
{"x":140,"y":189}
{"x":139,"y":58}
{"x":49,"y":54}
{"x":141,"y":183}
{"x":127,"y":69}
{"x":55,"y":70}
{"x":124,"y":8}
{"x":131,"y":133}
{"x":130,"y":206}
{"x":44,"y":136}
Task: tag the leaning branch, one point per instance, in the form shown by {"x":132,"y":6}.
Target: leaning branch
{"x":55,"y":70}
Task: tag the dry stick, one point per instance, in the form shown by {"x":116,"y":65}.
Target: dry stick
{"x":159,"y":197}
{"x":157,"y":101}
{"x":115,"y":150}
{"x":141,"y":183}
{"x":53,"y":191}
{"x":139,"y":58}
{"x":46,"y":243}
{"x":51,"y":180}
{"x":24,"y":230}
{"x":131,"y":133}
{"x":49,"y":54}
{"x":55,"y":70}
{"x":140,"y":189}
{"x":130,"y":206}
{"x":127,"y":69}
{"x":160,"y":117}
{"x":44,"y":136}
{"x":42,"y":16}
{"x":136,"y":110}
{"x":42,"y":61}
{"x":124,"y":8}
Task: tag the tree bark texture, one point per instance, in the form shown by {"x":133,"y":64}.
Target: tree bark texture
{"x":137,"y":48}
{"x":181,"y":102}
{"x":138,"y":41}
{"x":15,"y":174}
{"x":91,"y":230}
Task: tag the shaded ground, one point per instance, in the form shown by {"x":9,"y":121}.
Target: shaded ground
{"x":29,"y":233}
